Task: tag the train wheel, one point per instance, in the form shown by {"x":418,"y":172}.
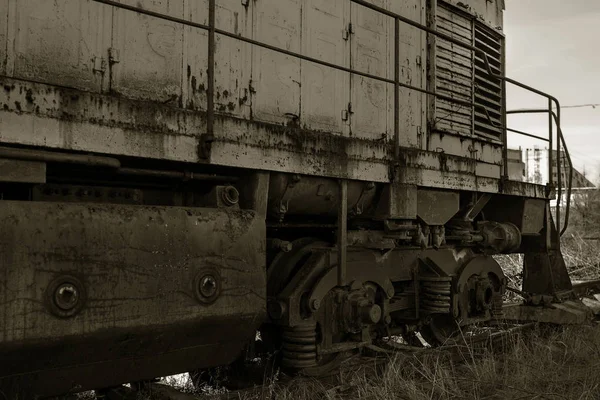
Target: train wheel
{"x":319,"y":323}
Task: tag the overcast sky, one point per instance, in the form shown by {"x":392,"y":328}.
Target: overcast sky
{"x":554,"y":45}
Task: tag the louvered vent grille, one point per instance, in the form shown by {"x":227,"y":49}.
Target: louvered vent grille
{"x":453,"y":73}
{"x":463,"y":76}
{"x":488,"y":91}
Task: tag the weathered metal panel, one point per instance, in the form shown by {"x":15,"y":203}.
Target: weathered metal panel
{"x":70,"y":119}
{"x":60,"y":42}
{"x":141,"y":275}
{"x":195,"y":57}
{"x":164,"y":64}
{"x":4,"y":29}
{"x":147,"y":57}
{"x":276,"y":77}
{"x":325,"y":91}
{"x":243,"y":143}
{"x":371,"y":47}
{"x":413,"y":63}
{"x":233,"y":59}
{"x":43,"y":115}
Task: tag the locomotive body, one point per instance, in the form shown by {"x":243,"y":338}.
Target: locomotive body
{"x":176,"y":175}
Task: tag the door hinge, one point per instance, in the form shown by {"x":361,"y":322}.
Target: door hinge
{"x":348,"y":31}
{"x":419,"y":61}
{"x":113,"y":55}
{"x":99,"y":64}
{"x":245,"y":3}
{"x":347,"y":112}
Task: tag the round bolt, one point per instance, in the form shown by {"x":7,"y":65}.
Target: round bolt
{"x":66,"y":296}
{"x":388,"y":320}
{"x":371,"y":314}
{"x":315,"y":304}
{"x":230,"y":196}
{"x":208,"y":286}
{"x":286,"y":247}
{"x":391,"y":292}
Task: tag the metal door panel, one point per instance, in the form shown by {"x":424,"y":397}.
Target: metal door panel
{"x":370,"y":50}
{"x":195,"y":56}
{"x":232,"y":76}
{"x":276,"y":78}
{"x":4,"y":28}
{"x":233,"y":58}
{"x":412,"y":49}
{"x":61,"y":42}
{"x":149,"y":52}
{"x":325,"y":91}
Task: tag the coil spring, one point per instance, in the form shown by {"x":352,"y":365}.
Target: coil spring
{"x":436,"y":294}
{"x":300,"y":346}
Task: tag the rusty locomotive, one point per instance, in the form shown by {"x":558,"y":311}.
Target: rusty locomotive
{"x":176,"y":175}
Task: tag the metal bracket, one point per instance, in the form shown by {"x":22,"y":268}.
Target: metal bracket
{"x":348,"y":31}
{"x":99,"y":64}
{"x":347,"y":112}
{"x":205,"y":145}
{"x":113,"y":55}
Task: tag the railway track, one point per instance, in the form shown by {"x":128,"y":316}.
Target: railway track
{"x":371,"y":361}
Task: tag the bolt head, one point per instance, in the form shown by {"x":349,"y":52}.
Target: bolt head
{"x":66,"y":296}
{"x":375,"y":314}
{"x":315,"y":304}
{"x":208,"y":286}
{"x":391,"y":292}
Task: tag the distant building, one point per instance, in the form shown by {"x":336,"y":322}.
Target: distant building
{"x":516,"y":166}
{"x":536,"y":162}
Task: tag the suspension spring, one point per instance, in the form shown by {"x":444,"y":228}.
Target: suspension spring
{"x":300,"y":346}
{"x":436,"y":294}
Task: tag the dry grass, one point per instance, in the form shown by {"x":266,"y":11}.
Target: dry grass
{"x":561,"y":364}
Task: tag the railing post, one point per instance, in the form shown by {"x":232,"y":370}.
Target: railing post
{"x":396,"y":89}
{"x":342,"y":233}
{"x":210,"y":93}
{"x":551,"y":144}
{"x":559,"y":176}
{"x":504,"y":118}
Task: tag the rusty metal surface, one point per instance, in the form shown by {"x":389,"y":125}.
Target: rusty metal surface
{"x":149,"y":268}
{"x":437,"y":207}
{"x":248,"y":79}
{"x":488,"y":11}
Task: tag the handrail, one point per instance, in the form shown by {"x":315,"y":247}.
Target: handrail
{"x":561,"y":138}
{"x":212,"y":29}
